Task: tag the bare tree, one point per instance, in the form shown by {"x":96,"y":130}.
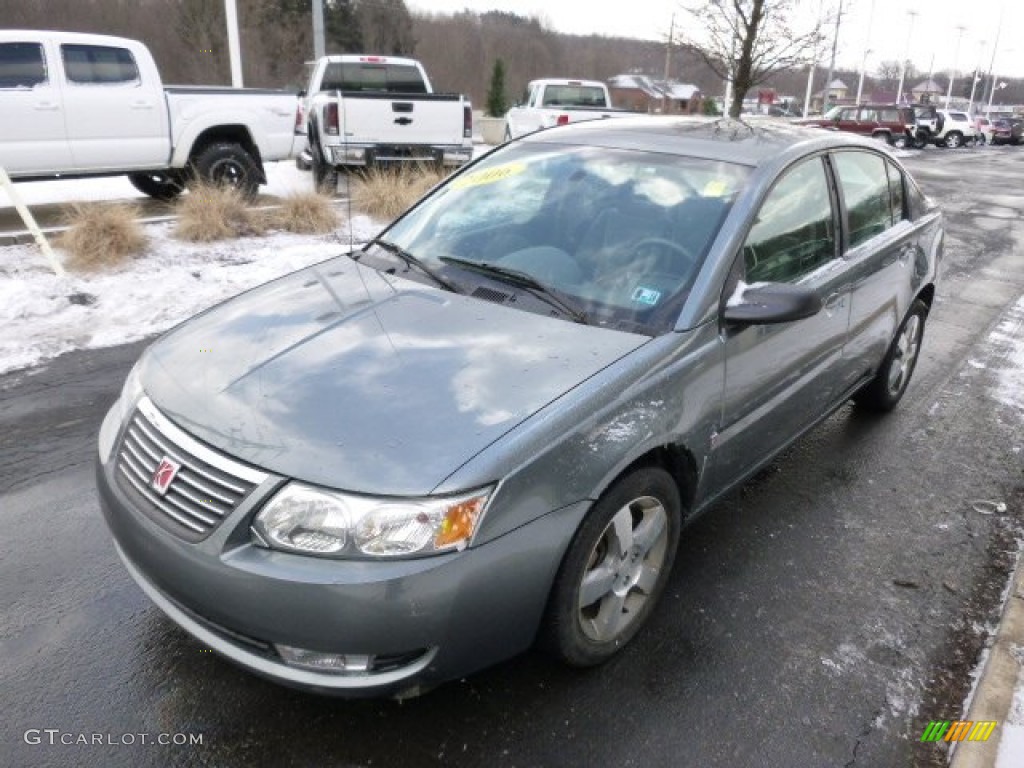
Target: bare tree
{"x":746,"y":41}
{"x":889,"y":73}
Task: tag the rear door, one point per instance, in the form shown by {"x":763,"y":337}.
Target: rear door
{"x":882,"y":250}
{"x":779,"y":379}
{"x":33,"y":133}
{"x":117,"y":119}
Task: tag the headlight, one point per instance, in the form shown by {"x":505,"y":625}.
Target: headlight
{"x":319,"y":522}
{"x":119,"y":412}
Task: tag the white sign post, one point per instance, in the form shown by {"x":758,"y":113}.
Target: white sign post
{"x":30,"y":223}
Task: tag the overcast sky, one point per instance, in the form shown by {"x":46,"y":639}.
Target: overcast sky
{"x":934,"y":28}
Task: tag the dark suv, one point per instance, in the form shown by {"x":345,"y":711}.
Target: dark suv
{"x":887,"y":122}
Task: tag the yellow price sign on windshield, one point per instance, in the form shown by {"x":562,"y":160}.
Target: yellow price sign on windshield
{"x":488,"y":175}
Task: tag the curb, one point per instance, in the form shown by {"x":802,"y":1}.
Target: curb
{"x":994,"y":695}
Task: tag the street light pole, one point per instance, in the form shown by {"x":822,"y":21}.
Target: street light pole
{"x":814,"y":64}
{"x":977,"y":77}
{"x":234,"y":49}
{"x":992,"y":62}
{"x":956,"y":63}
{"x":903,"y":64}
{"x":864,"y":59}
{"x":832,"y":61}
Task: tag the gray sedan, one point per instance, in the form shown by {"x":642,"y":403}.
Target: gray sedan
{"x":487,"y":428}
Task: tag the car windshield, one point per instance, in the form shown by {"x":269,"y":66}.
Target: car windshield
{"x":833,"y":113}
{"x":619,"y":235}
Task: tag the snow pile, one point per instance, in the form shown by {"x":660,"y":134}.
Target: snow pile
{"x":1011,"y":738}
{"x":1007,"y":345}
{"x":42,"y":316}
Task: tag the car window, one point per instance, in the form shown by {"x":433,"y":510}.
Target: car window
{"x":794,"y":232}
{"x":865,"y":186}
{"x":848,"y":114}
{"x":958,"y":117}
{"x":896,"y":194}
{"x":98,"y":64}
{"x":868,"y":115}
{"x":372,"y":76}
{"x":21,"y":65}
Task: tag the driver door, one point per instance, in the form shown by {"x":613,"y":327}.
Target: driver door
{"x":779,"y":379}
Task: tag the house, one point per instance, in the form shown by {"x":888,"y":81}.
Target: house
{"x":641,"y":93}
{"x":926,"y":92}
{"x":836,"y":92}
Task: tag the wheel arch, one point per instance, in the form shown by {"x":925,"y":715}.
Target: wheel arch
{"x":675,"y":459}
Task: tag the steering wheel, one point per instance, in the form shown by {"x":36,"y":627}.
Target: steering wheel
{"x":663,"y":255}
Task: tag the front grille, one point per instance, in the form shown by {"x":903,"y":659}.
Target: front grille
{"x":206,"y":489}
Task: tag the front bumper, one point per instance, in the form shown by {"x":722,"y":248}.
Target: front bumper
{"x":431,"y":619}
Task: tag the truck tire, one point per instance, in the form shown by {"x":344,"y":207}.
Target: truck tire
{"x":228,"y":164}
{"x":325,"y":175}
{"x":160,"y":185}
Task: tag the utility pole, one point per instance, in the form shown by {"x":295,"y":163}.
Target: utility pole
{"x":668,"y":62}
{"x":906,"y":57}
{"x":319,"y":47}
{"x":832,"y":61}
{"x":864,"y":59}
{"x":234,"y":50}
{"x":956,"y":63}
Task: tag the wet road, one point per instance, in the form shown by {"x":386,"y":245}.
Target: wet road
{"x":812,"y":619}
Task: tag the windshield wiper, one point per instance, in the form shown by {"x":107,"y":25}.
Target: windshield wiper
{"x":525,"y":280}
{"x":413,"y":261}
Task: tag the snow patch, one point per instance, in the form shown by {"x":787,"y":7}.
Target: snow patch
{"x":42,"y":316}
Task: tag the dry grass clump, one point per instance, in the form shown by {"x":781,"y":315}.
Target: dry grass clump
{"x":306,"y":213}
{"x":101,"y":235}
{"x":215,"y":212}
{"x":385,"y":192}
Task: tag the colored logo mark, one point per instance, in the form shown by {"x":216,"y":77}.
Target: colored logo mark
{"x":958,"y":730}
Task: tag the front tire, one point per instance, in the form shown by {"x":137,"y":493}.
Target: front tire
{"x":160,"y":185}
{"x":884,"y":392}
{"x":954,"y":139}
{"x":230,"y":165}
{"x":615,"y":569}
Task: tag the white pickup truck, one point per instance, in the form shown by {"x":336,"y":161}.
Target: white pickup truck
{"x":365,"y":110}
{"x":75,"y":105}
{"x":551,"y":102}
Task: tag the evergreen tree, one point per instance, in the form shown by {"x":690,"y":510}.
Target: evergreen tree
{"x":497,"y":103}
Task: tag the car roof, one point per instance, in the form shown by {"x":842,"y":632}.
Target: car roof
{"x":752,"y":142}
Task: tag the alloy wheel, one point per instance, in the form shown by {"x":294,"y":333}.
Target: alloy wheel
{"x":903,"y":360}
{"x":622,"y":569}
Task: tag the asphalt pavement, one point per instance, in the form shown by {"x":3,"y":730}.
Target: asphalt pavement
{"x":821,"y":615}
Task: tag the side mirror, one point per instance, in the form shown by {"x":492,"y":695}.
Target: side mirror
{"x":302,"y":93}
{"x":769,"y":303}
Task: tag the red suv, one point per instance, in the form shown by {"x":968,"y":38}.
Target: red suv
{"x":886,"y":122}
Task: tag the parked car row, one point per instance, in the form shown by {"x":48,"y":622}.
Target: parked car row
{"x":919,"y":125}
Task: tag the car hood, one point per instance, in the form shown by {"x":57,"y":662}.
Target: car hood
{"x":347,"y":377}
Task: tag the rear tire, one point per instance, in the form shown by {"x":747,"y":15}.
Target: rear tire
{"x":228,"y":164}
{"x":954,"y":139}
{"x":325,"y":175}
{"x":884,"y":392}
{"x":160,"y":185}
{"x":615,"y":569}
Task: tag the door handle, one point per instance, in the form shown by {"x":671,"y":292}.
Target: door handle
{"x":47,"y":106}
{"x":142,"y":105}
{"x":833,"y":302}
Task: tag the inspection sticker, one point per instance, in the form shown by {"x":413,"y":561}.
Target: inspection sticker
{"x":488,"y":175}
{"x":646,"y":296}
